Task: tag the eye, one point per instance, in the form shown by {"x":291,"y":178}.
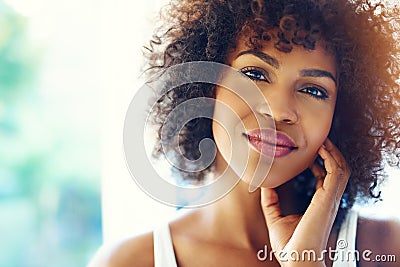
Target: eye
{"x":256,"y":74}
{"x":315,"y":91}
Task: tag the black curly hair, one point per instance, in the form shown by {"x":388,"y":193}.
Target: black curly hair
{"x":361,"y":34}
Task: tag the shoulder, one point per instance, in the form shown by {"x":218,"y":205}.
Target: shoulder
{"x":135,"y":251}
{"x":379,"y":240}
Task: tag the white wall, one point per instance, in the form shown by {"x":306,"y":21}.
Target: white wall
{"x":125,"y":27}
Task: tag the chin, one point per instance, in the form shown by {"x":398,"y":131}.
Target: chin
{"x":273,"y":183}
{"x":269,"y":182}
{"x":274,"y":180}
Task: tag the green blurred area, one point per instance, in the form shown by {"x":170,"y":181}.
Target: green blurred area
{"x":49,"y":191}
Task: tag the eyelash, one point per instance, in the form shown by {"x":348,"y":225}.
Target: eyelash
{"x":252,"y":71}
{"x":319,"y":93}
{"x":260,"y":75}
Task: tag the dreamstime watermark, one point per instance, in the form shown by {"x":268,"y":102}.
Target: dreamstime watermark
{"x":341,"y":254}
{"x":142,"y":168}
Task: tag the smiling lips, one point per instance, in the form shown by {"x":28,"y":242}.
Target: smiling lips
{"x":267,"y":140}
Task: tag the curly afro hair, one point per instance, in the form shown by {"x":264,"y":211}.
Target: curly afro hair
{"x":361,"y":34}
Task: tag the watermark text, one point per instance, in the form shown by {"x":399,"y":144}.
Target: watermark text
{"x":341,"y":253}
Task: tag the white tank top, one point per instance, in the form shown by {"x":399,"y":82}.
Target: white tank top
{"x":164,"y":255}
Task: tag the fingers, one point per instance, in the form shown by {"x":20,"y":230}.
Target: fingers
{"x":336,"y":167}
{"x":326,"y":200}
{"x":270,"y":205}
{"x":319,"y":174}
{"x":316,"y":223}
{"x":338,"y":157}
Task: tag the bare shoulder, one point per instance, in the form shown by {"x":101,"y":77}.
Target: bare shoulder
{"x":379,"y":240}
{"x":135,"y":251}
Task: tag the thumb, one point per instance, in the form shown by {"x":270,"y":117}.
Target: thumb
{"x":270,"y":205}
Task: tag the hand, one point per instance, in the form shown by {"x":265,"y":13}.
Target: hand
{"x":310,"y":231}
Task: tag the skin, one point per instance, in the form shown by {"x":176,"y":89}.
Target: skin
{"x":301,"y":105}
{"x":230,"y":231}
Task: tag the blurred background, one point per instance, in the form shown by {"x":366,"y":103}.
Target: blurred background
{"x":67,"y":68}
{"x":50,"y":210}
{"x":68,"y":71}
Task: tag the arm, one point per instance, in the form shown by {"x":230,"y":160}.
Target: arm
{"x":393,"y":244}
{"x":382,"y":239}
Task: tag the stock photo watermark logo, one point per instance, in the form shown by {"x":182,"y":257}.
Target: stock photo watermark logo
{"x":137,"y":119}
{"x":341,"y":253}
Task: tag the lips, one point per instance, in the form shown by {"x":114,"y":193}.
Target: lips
{"x":270,"y":142}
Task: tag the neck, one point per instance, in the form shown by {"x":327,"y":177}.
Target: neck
{"x":240,"y":212}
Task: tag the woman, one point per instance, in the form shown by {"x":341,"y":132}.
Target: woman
{"x":328,"y":70}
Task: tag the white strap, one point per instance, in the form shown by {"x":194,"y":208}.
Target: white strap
{"x":164,"y":255}
{"x":346,"y":242}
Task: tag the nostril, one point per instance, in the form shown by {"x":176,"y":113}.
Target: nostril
{"x":287,"y":121}
{"x":268,"y":115}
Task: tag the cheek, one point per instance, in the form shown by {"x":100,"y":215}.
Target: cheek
{"x":235,"y":103}
{"x":318,"y":129}
{"x":232,"y":116}
{"x":230,"y":110}
{"x":222,"y":139}
{"x":226,"y":116}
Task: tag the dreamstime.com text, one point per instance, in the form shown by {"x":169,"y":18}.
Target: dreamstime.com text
{"x":338,"y":254}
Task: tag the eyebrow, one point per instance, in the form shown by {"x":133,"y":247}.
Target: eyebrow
{"x":264,"y":57}
{"x":318,"y":73}
{"x":275,"y":63}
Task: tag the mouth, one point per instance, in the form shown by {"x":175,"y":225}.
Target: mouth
{"x":270,"y":143}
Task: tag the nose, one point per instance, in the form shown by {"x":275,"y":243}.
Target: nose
{"x":280,"y":106}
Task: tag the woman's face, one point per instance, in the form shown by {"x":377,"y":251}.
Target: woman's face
{"x":300,"y":89}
